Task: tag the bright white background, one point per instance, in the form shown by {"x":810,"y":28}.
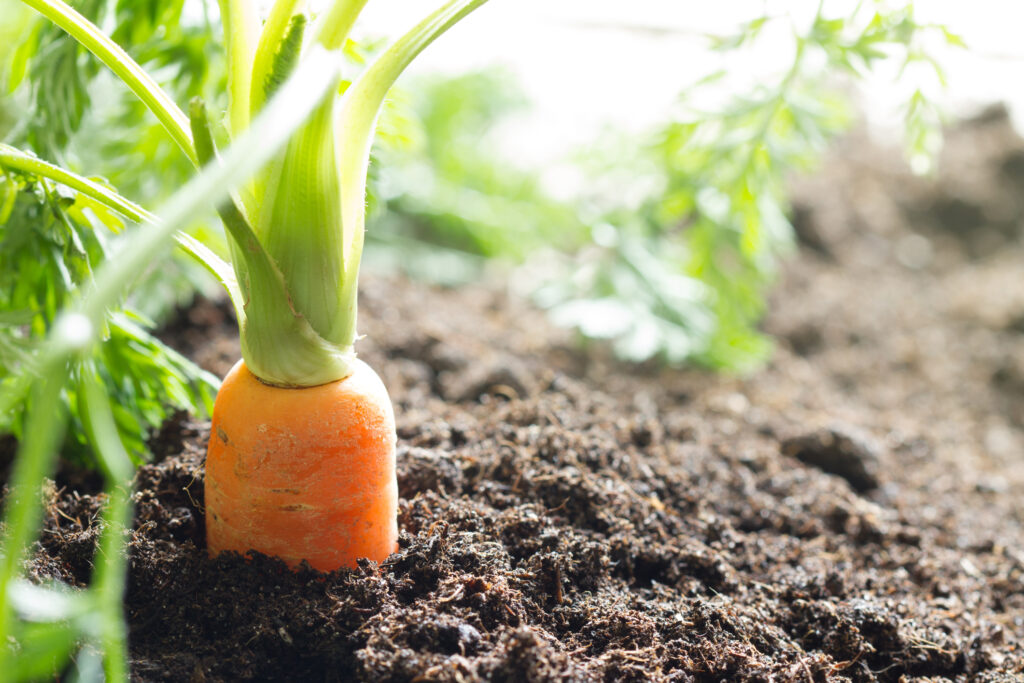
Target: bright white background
{"x":590,"y":63}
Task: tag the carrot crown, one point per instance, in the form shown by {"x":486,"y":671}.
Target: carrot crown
{"x":296,"y":232}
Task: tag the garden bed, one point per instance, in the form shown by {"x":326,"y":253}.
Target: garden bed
{"x":852,"y":511}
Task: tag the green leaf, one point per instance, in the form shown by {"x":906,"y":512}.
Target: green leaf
{"x":241,"y":31}
{"x":51,"y":621}
{"x":954,"y":39}
{"x":43,"y":650}
{"x":285,"y":58}
{"x":104,"y":196}
{"x":356,"y":123}
{"x":20,"y":60}
{"x":123,"y":66}
{"x":276,"y":31}
{"x":269,"y":320}
{"x":333,"y":27}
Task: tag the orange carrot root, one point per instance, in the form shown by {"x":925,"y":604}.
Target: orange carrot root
{"x":303,"y":474}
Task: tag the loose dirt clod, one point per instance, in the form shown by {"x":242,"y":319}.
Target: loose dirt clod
{"x":840,"y":451}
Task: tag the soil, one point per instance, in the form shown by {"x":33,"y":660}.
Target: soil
{"x":850,"y":512}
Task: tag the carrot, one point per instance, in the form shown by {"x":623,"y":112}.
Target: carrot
{"x":303,"y":474}
{"x":301,"y":461}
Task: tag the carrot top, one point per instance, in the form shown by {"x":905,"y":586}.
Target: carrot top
{"x":296,"y":232}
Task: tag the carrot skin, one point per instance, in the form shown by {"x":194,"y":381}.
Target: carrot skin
{"x":303,"y":474}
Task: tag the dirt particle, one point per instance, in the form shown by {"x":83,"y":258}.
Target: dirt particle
{"x":840,"y":450}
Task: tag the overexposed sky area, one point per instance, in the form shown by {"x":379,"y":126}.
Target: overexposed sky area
{"x":591,"y":63}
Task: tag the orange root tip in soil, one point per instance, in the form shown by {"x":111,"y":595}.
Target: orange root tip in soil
{"x":303,"y":474}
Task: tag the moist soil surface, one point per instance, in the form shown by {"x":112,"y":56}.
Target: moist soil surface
{"x":852,"y":511}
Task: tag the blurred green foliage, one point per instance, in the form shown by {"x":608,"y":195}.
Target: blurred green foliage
{"x":51,"y":241}
{"x":450,"y":204}
{"x":71,"y":111}
{"x":62,"y":104}
{"x":670,"y":249}
{"x":76,"y":114}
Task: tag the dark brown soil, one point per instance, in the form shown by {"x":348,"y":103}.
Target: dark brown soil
{"x":851,"y":512}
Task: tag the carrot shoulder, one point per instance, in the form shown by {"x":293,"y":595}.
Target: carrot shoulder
{"x":303,"y":474}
